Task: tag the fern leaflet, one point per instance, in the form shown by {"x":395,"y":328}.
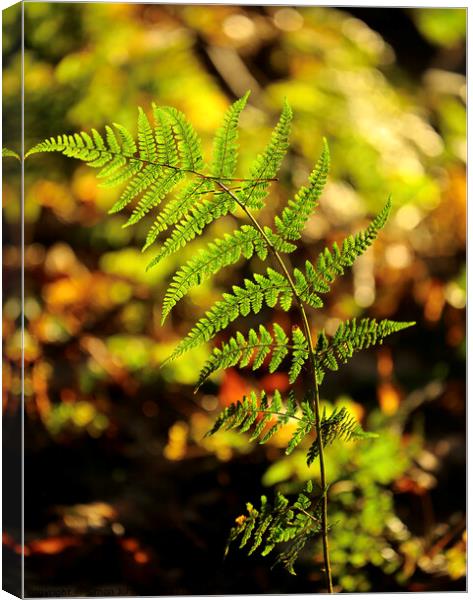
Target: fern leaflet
{"x":267,"y":164}
{"x":266,"y":416}
{"x":193,"y":224}
{"x":294,"y":216}
{"x":350,"y":337}
{"x":225,"y":150}
{"x":7,"y":152}
{"x":300,"y":353}
{"x":286,"y":524}
{"x":340,"y":425}
{"x":253,"y":349}
{"x":187,"y":140}
{"x":178,"y":207}
{"x":220,"y":253}
{"x":263,"y":290}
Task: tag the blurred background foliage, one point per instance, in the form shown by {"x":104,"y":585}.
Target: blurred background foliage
{"x":123,"y":493}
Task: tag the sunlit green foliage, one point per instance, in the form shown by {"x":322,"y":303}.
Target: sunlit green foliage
{"x":168,"y":152}
{"x":388,"y":133}
{"x":283,"y":523}
{"x":7,"y":152}
{"x":351,"y":337}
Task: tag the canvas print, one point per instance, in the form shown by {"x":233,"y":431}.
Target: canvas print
{"x":234,"y":292}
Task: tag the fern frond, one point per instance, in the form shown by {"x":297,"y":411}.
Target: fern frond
{"x":7,"y":152}
{"x":339,"y":426}
{"x":193,"y":224}
{"x":166,"y":145}
{"x":266,"y":416}
{"x":146,"y":138}
{"x":178,"y":207}
{"x":304,"y":426}
{"x":75,"y":146}
{"x":291,"y":525}
{"x":305,"y":290}
{"x":300,"y":354}
{"x":267,"y":290}
{"x":294,"y":216}
{"x":187,"y":139}
{"x":240,"y":350}
{"x":267,"y":164}
{"x":350,"y":337}
{"x":155,"y":194}
{"x":280,"y":244}
{"x":151,"y":167}
{"x":219,"y":254}
{"x":225,"y":149}
{"x":332,"y":263}
{"x":115,"y":174}
{"x":128,"y":143}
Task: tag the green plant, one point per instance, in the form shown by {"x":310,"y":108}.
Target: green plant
{"x":7,"y":152}
{"x":167,"y":157}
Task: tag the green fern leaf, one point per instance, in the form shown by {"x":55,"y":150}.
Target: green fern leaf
{"x":300,"y":354}
{"x":156,"y":192}
{"x":128,"y":143}
{"x":278,"y":242}
{"x":267,"y":164}
{"x":266,"y":416}
{"x":178,"y":207}
{"x":7,"y":152}
{"x":283,"y":525}
{"x":340,"y":425}
{"x":116,"y":157}
{"x":294,"y":217}
{"x":267,"y":289}
{"x":187,"y":139}
{"x":350,"y":337}
{"x":305,"y":290}
{"x":219,"y":254}
{"x":193,"y":224}
{"x":305,"y":425}
{"x":146,"y":138}
{"x":332,"y":263}
{"x":240,"y":350}
{"x":166,"y":145}
{"x":280,"y":348}
{"x":225,"y":150}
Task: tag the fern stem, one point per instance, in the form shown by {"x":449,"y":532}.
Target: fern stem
{"x":315,"y":386}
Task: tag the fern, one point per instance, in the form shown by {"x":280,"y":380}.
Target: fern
{"x":351,"y":337}
{"x":187,"y":140}
{"x":340,"y":425}
{"x":285,"y":526}
{"x":6,"y":152}
{"x":267,"y":164}
{"x":218,"y":254}
{"x":178,"y":207}
{"x":255,"y":348}
{"x":164,"y":180}
{"x":266,"y":416}
{"x":225,"y":150}
{"x":263,"y":290}
{"x":294,"y":217}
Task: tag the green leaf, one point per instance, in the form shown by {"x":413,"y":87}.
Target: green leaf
{"x":225,"y":149}
{"x":7,"y":152}
{"x":294,"y":217}
{"x":219,"y":254}
{"x":350,"y":337}
{"x":267,"y":164}
{"x":265,"y":289}
{"x":339,"y":426}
